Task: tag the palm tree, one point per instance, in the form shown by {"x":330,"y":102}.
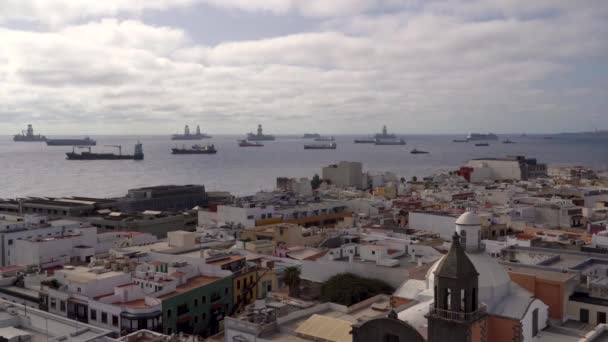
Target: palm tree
{"x":292,"y":279}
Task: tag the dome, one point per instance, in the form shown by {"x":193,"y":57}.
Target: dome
{"x":494,"y":281}
{"x":469,"y":219}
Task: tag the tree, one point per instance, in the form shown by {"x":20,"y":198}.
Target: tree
{"x":348,"y":289}
{"x":414,"y":179}
{"x":315,"y":182}
{"x":292,"y":279}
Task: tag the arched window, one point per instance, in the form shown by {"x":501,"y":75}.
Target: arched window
{"x":463,"y":300}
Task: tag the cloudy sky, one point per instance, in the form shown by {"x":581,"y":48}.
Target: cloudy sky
{"x":331,"y":66}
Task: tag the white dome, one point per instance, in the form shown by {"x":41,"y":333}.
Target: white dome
{"x":469,"y":219}
{"x":494,"y":281}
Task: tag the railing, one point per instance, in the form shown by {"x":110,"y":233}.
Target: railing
{"x":458,"y":315}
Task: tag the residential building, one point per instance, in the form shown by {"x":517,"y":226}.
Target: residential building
{"x":344,"y":174}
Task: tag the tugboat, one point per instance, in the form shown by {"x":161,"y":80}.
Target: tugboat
{"x":88,"y":155}
{"x":196,"y":149}
{"x":482,"y":144}
{"x":259,"y":136}
{"x":331,"y":146}
{"x":325,"y":139}
{"x":28,"y":135}
{"x":507,"y":141}
{"x":245,"y":143}
{"x":311,"y":136}
{"x":71,"y":142}
{"x":188,"y":136}
{"x":415,"y":151}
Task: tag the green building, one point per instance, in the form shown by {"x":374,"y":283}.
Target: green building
{"x":197,"y":307}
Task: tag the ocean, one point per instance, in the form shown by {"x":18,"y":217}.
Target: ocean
{"x":34,"y":169}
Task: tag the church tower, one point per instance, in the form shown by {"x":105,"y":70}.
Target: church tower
{"x":456,"y":314}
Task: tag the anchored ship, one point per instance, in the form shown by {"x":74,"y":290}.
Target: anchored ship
{"x":508,"y":141}
{"x":478,"y":136}
{"x":388,"y":142}
{"x":385,"y":134}
{"x":189,"y":136}
{"x":259,"y":136}
{"x":415,"y":151}
{"x":88,"y":155}
{"x":71,"y":142}
{"x":325,"y":139}
{"x":196,"y":149}
{"x":28,"y":135}
{"x":311,"y":136}
{"x":365,"y":141}
{"x":482,"y":144}
{"x":245,"y":143}
{"x":331,"y":146}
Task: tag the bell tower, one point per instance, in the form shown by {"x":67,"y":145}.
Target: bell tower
{"x":456,"y":314}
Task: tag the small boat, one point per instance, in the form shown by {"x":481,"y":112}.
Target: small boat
{"x":365,"y":141}
{"x":245,"y":143}
{"x":460,"y":140}
{"x":482,"y":144}
{"x":196,"y":149}
{"x":331,"y":146}
{"x":508,"y":141}
{"x":415,"y":151}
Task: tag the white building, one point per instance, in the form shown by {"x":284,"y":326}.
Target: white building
{"x":344,"y":174}
{"x":29,"y":227}
{"x":435,"y":222}
{"x":18,"y":323}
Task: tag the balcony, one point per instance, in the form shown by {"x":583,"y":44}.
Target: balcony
{"x":458,"y":315}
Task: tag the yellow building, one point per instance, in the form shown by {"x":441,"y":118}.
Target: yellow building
{"x":288,"y":233}
{"x":245,"y":288}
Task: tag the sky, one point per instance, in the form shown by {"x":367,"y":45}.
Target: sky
{"x":327,"y":66}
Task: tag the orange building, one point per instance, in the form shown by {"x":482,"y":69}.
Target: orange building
{"x":551,"y":287}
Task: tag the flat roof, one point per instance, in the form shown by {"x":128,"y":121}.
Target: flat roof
{"x":539,"y":273}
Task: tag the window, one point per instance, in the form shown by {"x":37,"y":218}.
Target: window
{"x":182,"y":309}
{"x":238,"y":284}
{"x":204,"y":300}
{"x":53,"y":303}
{"x":195,"y":319}
{"x":373,"y":252}
{"x":601,"y":317}
{"x":204,"y":316}
{"x":115,"y":320}
{"x":93,"y":315}
{"x":79,"y":290}
{"x":104,"y":318}
{"x":226,"y":290}
{"x":169,"y":331}
{"x":10,"y":242}
{"x":169,"y":313}
{"x":196,"y":302}
{"x":584,"y":316}
{"x":62,"y":305}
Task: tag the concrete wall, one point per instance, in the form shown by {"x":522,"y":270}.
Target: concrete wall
{"x":502,"y":329}
{"x":441,"y":224}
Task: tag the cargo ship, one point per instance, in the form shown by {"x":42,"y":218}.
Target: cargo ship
{"x":196,"y":149}
{"x":29,"y":136}
{"x":88,"y":155}
{"x":189,"y":136}
{"x":482,"y":144}
{"x":365,"y":141}
{"x":460,"y":140}
{"x":71,"y":142}
{"x":508,"y":141}
{"x":326,"y":139}
{"x":245,"y":143}
{"x":311,"y":136}
{"x":478,"y":136}
{"x":331,"y":146}
{"x":259,"y":136}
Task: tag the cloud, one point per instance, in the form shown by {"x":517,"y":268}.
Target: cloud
{"x":426,"y":67}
